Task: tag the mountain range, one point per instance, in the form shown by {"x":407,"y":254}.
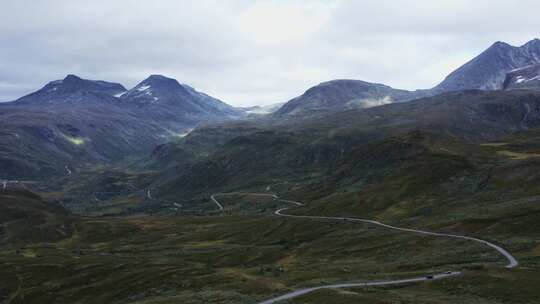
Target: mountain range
{"x":76,"y":121}
{"x":156,"y":93}
{"x":313,"y":148}
{"x":487,"y":71}
{"x":119,"y":200}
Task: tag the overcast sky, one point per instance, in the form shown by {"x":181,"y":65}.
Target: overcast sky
{"x":252,"y":52}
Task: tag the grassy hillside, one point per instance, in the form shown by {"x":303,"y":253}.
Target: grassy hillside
{"x":25,"y":217}
{"x":243,"y":255}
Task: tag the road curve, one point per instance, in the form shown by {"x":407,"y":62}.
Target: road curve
{"x":151,"y":197}
{"x":6,"y":182}
{"x":304,"y":291}
{"x":512,"y":262}
{"x":218,"y":204}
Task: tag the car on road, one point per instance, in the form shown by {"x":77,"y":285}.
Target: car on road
{"x":429,"y":277}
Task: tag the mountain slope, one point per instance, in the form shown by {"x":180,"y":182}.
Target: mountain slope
{"x":37,"y":141}
{"x":24,"y":216}
{"x":306,"y":149}
{"x":159,"y":94}
{"x":339,"y":95}
{"x":524,"y":78}
{"x":72,"y":89}
{"x":488,"y":70}
{"x":76,"y":122}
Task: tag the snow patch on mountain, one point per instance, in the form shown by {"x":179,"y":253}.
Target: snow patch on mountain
{"x":524,"y":78}
{"x":143,"y":88}
{"x":488,"y":70}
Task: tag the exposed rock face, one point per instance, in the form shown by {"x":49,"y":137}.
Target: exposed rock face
{"x":488,"y":70}
{"x":524,"y":78}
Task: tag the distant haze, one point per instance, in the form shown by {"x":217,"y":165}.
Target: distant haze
{"x":252,"y":52}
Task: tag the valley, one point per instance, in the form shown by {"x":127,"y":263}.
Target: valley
{"x":353,"y":192}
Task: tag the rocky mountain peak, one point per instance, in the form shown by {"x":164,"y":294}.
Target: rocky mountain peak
{"x":342,"y":94}
{"x":488,"y":70}
{"x":500,"y":45}
{"x":162,"y":81}
{"x":73,"y":88}
{"x":158,"y":91}
{"x":533,"y":43}
{"x":71,"y":78}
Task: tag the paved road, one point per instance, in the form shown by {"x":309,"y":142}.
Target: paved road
{"x":512,"y":262}
{"x":304,"y":291}
{"x":6,"y":182}
{"x":220,"y":207}
{"x":175,"y":206}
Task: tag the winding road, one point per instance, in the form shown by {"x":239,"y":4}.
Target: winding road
{"x":6,"y":182}
{"x":304,"y":291}
{"x":174,"y":205}
{"x":218,"y":204}
{"x":512,"y":262}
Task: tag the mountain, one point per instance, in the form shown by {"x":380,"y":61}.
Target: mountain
{"x":339,"y":95}
{"x":38,"y":140}
{"x":524,"y":78}
{"x":156,"y":94}
{"x":488,"y":70}
{"x":76,"y":122}
{"x":73,"y":89}
{"x":161,"y":94}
